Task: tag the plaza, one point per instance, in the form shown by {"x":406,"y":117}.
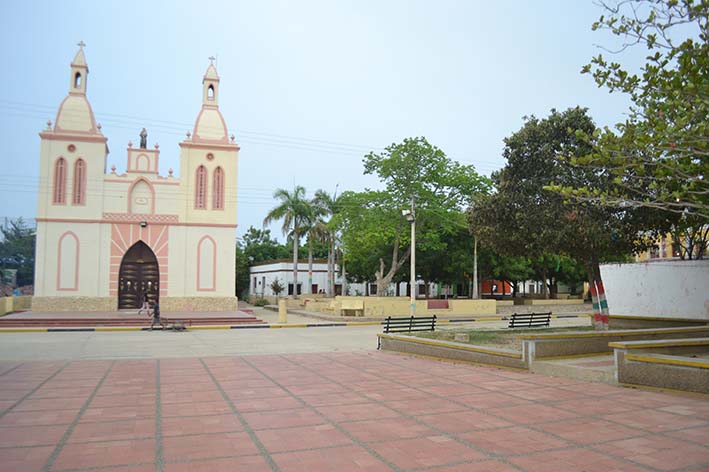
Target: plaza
{"x":317,"y":399}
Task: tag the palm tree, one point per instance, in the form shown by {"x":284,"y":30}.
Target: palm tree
{"x":328,"y":205}
{"x":316,"y":230}
{"x":294,"y":210}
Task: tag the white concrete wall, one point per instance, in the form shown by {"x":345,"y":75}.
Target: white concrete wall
{"x":673,"y":289}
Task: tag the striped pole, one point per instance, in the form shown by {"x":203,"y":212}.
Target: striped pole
{"x":603,"y":302}
{"x":596,"y":305}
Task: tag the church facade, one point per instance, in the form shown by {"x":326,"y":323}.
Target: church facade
{"x":106,"y":240}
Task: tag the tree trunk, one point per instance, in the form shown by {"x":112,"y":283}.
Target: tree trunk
{"x":295,"y":263}
{"x":598,"y":296}
{"x":334,"y":263}
{"x":383,"y":280}
{"x":545,"y":291}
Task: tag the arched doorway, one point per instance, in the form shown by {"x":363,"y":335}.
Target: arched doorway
{"x":139,"y":274}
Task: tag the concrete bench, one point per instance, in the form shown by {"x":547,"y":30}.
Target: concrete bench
{"x":355,"y":306}
{"x":679,"y":364}
{"x":572,"y":343}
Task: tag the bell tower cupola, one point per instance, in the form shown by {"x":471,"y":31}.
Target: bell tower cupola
{"x":79,"y":72}
{"x":210,"y":126}
{"x":210,"y":85}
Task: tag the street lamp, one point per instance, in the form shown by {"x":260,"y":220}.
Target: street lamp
{"x":411,"y":218}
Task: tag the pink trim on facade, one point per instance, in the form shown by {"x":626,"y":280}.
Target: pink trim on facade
{"x":130,"y":180}
{"x":59,"y":183}
{"x":218,"y":189}
{"x":197,"y":138}
{"x":138,"y":217}
{"x":226,"y":147}
{"x":124,"y":236}
{"x":79,"y":183}
{"x":137,"y":220}
{"x":59,"y":263}
{"x":200,"y":188}
{"x":214,"y":264}
{"x":130,"y":194}
{"x":58,"y":129}
{"x":69,"y":136}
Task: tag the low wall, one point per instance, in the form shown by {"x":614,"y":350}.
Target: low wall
{"x":22,"y":303}
{"x":381,"y":307}
{"x":642,"y":322}
{"x":6,"y":305}
{"x":452,"y":350}
{"x":537,"y":346}
{"x":555,"y":301}
{"x":67,"y":304}
{"x":667,"y":288}
{"x":665,"y":364}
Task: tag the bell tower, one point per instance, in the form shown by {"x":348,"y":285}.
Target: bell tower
{"x":79,"y":72}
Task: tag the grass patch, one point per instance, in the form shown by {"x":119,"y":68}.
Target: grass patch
{"x":507,"y":338}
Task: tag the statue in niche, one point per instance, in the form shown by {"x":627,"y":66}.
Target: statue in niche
{"x":143,"y":139}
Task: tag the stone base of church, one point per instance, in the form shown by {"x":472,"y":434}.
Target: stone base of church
{"x":85,"y":304}
{"x":63,"y":304}
{"x":198,"y":303}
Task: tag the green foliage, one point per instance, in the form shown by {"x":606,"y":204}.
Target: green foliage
{"x":17,"y":250}
{"x":261,"y":302}
{"x":658,"y":157}
{"x":277,"y":287}
{"x":524,"y":219}
{"x":373,"y":227}
{"x":260,"y":247}
{"x":242,"y":272}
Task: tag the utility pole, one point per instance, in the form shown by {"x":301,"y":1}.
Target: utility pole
{"x":476,"y":295}
{"x":411,"y":218}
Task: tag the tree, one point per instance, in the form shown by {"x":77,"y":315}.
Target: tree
{"x":372,"y":222}
{"x":276,"y":287}
{"x":242,"y":272}
{"x":260,"y":247}
{"x":17,"y":250}
{"x":658,"y":157}
{"x":524,"y":218}
{"x":294,"y":210}
{"x":328,"y":206}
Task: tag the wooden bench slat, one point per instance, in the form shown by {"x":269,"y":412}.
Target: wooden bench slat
{"x":529,"y":320}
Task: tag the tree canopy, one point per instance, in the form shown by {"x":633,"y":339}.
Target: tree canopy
{"x":659,"y":156}
{"x":17,"y":250}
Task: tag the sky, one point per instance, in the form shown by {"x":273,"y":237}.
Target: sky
{"x":308,"y":87}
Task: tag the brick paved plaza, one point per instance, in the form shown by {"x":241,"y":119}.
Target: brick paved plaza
{"x":334,"y":412}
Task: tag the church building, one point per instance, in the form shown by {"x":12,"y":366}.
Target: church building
{"x":105,"y":239}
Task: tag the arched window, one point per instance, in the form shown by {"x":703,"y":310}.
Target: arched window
{"x":200,"y":189}
{"x":210,"y":92}
{"x":77,"y":80}
{"x":59,"y":190}
{"x":218,"y":189}
{"x":79,"y":192}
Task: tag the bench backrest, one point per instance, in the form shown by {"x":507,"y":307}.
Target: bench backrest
{"x":352,"y":304}
{"x":529,"y":320}
{"x":409,"y":324}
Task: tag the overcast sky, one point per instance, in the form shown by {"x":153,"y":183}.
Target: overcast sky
{"x":307,"y":87}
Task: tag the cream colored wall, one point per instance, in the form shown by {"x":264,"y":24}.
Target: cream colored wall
{"x":168,"y":198}
{"x":399,"y":306}
{"x":93,"y":260}
{"x":190,"y":159}
{"x":182,"y":269}
{"x":94,"y":154}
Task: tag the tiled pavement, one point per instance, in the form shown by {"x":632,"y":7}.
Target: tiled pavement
{"x":335,"y":412}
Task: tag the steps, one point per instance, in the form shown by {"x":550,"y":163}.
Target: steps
{"x":28,"y":322}
{"x":599,"y":368}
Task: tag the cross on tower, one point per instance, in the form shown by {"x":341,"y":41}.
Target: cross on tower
{"x":81,"y":44}
{"x":212,"y":59}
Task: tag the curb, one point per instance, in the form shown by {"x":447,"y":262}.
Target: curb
{"x":60,"y":329}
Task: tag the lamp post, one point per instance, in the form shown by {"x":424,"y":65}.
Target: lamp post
{"x":411,"y":218}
